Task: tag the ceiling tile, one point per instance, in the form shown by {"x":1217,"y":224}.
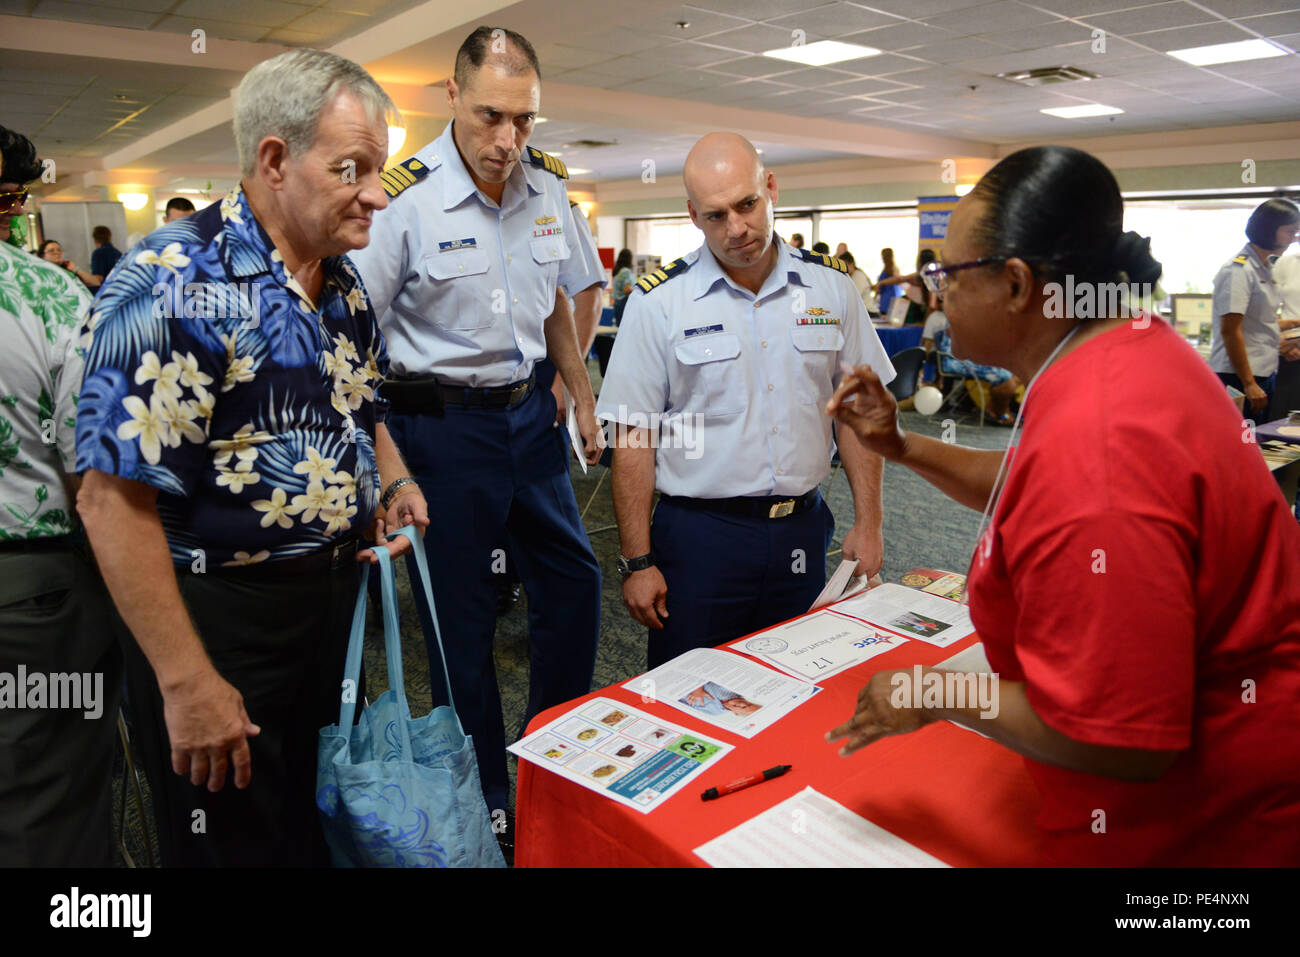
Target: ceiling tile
{"x":1156,"y":16}
{"x":1183,"y":38}
{"x":757,"y":9}
{"x":754,"y":38}
{"x":755,"y":66}
{"x":701,"y":23}
{"x":903,"y":36}
{"x":972,"y":20}
{"x":266,"y":13}
{"x":1060,"y":33}
{"x":1249,"y":8}
{"x":1279,"y":24}
{"x":213,"y":28}
{"x":833,"y":20}
{"x":90,"y":13}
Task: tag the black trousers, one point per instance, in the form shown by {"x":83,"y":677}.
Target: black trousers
{"x":56,"y":764}
{"x":282,"y":645}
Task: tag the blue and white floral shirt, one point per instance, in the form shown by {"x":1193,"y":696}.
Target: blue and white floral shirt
{"x":212,"y":376}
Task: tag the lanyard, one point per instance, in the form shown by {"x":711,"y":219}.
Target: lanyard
{"x":995,"y":495}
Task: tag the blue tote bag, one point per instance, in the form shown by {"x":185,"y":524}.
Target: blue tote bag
{"x":392,"y":790}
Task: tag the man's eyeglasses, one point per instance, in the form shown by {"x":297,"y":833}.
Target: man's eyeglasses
{"x":935,"y":276}
{"x":12,"y":201}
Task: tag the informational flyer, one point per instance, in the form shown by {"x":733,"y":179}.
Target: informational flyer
{"x":812,"y":830}
{"x":627,"y":755}
{"x":723,"y":689}
{"x":949,"y":586}
{"x":844,"y":583}
{"x":911,"y":613}
{"x":818,"y":645}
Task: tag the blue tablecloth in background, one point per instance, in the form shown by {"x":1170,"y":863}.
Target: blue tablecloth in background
{"x":897,"y":338}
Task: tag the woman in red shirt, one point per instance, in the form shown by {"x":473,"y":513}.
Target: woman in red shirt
{"x":1136,"y":584}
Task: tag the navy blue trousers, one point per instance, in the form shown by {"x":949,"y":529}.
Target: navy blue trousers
{"x":497,"y":481}
{"x":728,"y":576}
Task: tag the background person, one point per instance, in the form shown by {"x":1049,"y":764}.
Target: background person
{"x":886,"y":291}
{"x":1246,"y":338}
{"x":1134,"y":584}
{"x":56,"y":764}
{"x":104,"y":257}
{"x":52,"y":252}
{"x":624,"y":280}
{"x":178,"y":207}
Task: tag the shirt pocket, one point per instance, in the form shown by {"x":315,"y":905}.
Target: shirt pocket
{"x":549,"y":254}
{"x":713,"y":379}
{"x":818,"y":349}
{"x":462,"y":299}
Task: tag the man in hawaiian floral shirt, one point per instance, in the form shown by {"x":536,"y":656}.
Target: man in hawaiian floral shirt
{"x":233,"y":445}
{"x":56,"y":755}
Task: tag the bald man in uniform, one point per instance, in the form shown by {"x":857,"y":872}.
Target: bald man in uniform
{"x":721,"y":368}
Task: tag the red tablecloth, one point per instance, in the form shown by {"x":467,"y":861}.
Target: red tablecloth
{"x":953,"y":793}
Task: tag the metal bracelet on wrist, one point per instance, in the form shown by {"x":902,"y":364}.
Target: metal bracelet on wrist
{"x":389,"y":493}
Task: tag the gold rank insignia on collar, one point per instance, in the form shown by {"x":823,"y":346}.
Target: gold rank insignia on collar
{"x":547,"y":162}
{"x":403,"y":175}
{"x":662,"y":274}
{"x":1241,"y":260}
{"x":821,"y":259}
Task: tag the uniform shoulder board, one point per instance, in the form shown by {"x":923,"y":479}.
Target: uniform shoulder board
{"x":662,"y":274}
{"x":821,"y":259}
{"x":1240,"y":260}
{"x":404,"y":174}
{"x":547,"y":162}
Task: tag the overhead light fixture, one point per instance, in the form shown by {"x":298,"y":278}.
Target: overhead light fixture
{"x":539,"y":119}
{"x":573,"y":171}
{"x":1228,"y":52}
{"x":822,"y":52}
{"x":190,"y":192}
{"x":133,"y":201}
{"x":396,"y":137}
{"x":964,"y":188}
{"x":586,"y":207}
{"x":1079,"y":112}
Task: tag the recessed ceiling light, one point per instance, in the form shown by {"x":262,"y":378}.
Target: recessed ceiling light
{"x":1078,"y":112}
{"x":822,"y":52}
{"x":1228,"y":52}
{"x":539,"y":119}
{"x":578,"y":172}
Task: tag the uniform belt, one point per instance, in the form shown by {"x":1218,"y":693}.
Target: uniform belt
{"x":750,"y":506}
{"x":330,"y":558}
{"x":416,"y":395}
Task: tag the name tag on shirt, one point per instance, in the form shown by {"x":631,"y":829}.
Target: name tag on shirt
{"x":703,"y":330}
{"x":454,"y":244}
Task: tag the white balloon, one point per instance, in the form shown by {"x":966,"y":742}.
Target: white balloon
{"x":927,"y":400}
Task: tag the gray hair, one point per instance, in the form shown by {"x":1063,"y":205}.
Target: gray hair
{"x":285,"y":96}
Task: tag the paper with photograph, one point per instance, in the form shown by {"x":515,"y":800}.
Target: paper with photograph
{"x":914,"y":614}
{"x":621,"y":752}
{"x":723,"y":689}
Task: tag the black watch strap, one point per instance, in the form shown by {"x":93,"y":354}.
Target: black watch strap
{"x":626,"y":566}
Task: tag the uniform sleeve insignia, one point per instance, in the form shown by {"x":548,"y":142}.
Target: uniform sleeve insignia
{"x":547,"y":162}
{"x":403,"y":175}
{"x":1240,"y":260}
{"x":821,"y":259}
{"x":662,"y":274}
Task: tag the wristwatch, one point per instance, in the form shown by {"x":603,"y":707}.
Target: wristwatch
{"x":626,"y":566}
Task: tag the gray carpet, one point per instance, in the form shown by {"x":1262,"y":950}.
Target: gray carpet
{"x":922,"y":528}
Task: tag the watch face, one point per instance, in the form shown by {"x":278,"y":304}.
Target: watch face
{"x":766,"y":645}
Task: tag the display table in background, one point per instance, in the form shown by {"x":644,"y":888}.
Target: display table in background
{"x":897,"y":338}
{"x":949,"y":791}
